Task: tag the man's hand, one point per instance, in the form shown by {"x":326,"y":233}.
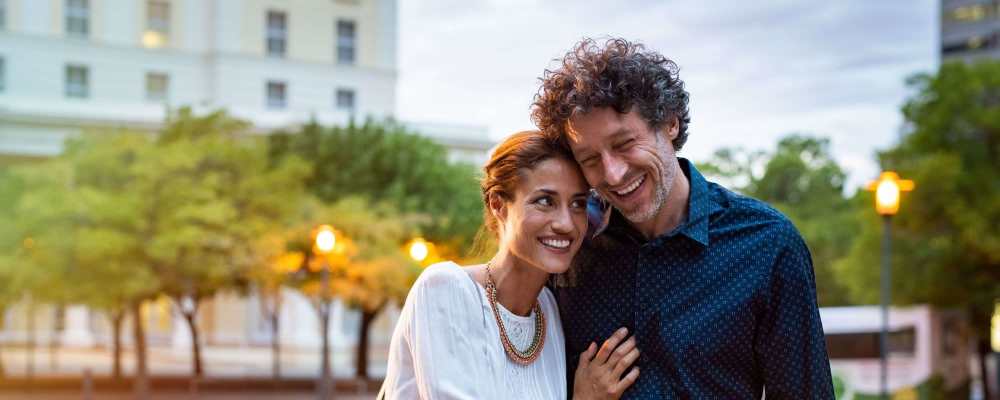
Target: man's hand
{"x":599,"y":376}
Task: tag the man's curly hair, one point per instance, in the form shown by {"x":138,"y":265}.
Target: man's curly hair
{"x":621,"y":75}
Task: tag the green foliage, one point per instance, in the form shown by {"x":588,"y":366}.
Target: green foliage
{"x":368,"y":266}
{"x":214,"y":192}
{"x":802,"y":180}
{"x":946,"y":241}
{"x":385,"y":163}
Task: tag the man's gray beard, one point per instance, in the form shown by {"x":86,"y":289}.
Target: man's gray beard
{"x":660,"y":193}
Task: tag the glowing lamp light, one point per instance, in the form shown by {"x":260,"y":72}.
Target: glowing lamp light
{"x":887,"y":189}
{"x":153,"y":40}
{"x":325,"y":239}
{"x":419,"y":250}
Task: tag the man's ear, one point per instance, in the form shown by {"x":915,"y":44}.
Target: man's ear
{"x":672,"y":128}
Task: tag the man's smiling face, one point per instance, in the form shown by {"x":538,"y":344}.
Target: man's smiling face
{"x":625,"y":160}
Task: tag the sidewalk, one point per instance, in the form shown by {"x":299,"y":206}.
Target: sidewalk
{"x":219,"y":361}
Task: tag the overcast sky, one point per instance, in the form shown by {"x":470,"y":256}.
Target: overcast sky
{"x":755,"y":71}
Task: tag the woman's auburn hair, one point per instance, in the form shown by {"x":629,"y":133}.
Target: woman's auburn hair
{"x":516,"y":154}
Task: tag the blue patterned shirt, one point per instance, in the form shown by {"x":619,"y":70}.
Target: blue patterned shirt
{"x":723,"y":307}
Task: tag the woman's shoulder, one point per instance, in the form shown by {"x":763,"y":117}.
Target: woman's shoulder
{"x":443,"y":276}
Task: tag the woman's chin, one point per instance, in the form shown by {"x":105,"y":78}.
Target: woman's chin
{"x":554,"y":265}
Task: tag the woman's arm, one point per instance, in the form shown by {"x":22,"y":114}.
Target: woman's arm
{"x":436,"y":342}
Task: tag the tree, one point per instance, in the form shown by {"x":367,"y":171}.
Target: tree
{"x":110,"y":246}
{"x":381,"y":272}
{"x":802,"y":180}
{"x":270,"y":275}
{"x":44,"y":220}
{"x":386,"y":163}
{"x":11,"y":189}
{"x":215,"y":192}
{"x":946,"y":242}
{"x":367,"y":268}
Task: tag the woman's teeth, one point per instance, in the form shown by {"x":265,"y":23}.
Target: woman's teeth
{"x":559,"y":244}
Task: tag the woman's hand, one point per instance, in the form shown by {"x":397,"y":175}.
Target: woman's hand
{"x":599,"y":376}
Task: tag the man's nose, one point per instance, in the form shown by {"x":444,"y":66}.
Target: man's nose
{"x":614,"y":170}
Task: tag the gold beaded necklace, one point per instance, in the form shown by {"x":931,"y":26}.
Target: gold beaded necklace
{"x":530,"y":354}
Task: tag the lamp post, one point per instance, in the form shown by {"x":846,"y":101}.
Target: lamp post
{"x":325,"y":239}
{"x":887,"y":192}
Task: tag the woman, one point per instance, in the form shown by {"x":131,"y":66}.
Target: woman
{"x":492,"y":331}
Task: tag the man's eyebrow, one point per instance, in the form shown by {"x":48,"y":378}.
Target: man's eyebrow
{"x":620,"y":132}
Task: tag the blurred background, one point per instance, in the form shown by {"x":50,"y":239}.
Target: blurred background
{"x":230,"y":198}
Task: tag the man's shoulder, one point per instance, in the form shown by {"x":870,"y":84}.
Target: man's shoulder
{"x":740,"y":208}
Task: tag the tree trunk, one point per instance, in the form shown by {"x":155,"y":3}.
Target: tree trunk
{"x":141,"y":382}
{"x":3,"y":314}
{"x":117,"y":317}
{"x":30,"y":368}
{"x":191,"y":316}
{"x":58,"y":316}
{"x":275,"y":346}
{"x":985,"y":352}
{"x":361,"y":358}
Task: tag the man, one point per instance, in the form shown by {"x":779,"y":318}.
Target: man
{"x":717,"y":289}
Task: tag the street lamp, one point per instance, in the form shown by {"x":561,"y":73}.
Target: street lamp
{"x":887,"y":193}
{"x":419,"y":250}
{"x":325,"y":241}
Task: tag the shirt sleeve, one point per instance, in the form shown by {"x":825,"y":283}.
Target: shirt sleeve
{"x":434,"y":341}
{"x":790,"y":346}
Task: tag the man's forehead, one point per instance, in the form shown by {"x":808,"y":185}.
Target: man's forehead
{"x":584,"y":128}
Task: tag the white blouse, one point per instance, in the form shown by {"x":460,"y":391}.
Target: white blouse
{"x":446,"y":344}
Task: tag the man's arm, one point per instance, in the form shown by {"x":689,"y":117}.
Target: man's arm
{"x":789,"y":345}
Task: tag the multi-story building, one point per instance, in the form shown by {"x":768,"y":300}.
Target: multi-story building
{"x":970,"y":29}
{"x":70,"y":65}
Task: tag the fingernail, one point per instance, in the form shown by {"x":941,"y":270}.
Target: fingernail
{"x":623,"y":331}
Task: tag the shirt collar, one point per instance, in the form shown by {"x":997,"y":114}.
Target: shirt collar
{"x":700,"y":207}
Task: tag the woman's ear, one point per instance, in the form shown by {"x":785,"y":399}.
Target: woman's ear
{"x":499,"y":208}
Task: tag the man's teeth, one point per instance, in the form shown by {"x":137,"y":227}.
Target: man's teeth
{"x":631,"y":188}
{"x":561,"y":244}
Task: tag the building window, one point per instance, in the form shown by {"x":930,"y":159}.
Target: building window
{"x":156,"y":86}
{"x":346,"y":41}
{"x":970,"y":13}
{"x":77,"y":81}
{"x":77,"y":18}
{"x":276,"y":94}
{"x":277,"y":33}
{"x":972,"y":44}
{"x":345,"y":100}
{"x":157,"y":24}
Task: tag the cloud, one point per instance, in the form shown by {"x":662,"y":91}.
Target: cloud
{"x":755,"y":71}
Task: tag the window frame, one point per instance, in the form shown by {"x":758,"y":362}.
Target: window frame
{"x":76,"y":89}
{"x":276,"y":37}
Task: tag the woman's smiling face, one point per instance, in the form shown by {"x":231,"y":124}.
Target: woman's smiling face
{"x":545,"y":221}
